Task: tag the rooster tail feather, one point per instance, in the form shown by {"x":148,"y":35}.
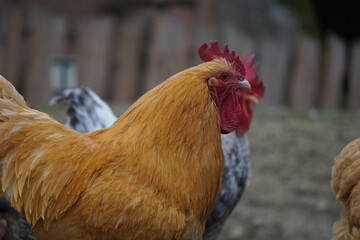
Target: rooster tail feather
{"x":35,"y":152}
{"x":9,"y":94}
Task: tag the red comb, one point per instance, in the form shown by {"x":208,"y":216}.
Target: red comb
{"x":250,"y":65}
{"x":208,"y":54}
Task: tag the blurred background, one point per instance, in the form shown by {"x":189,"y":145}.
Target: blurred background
{"x":309,"y":54}
{"x":309,"y":49}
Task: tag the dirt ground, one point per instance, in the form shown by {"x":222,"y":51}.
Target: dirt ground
{"x":289,"y":196}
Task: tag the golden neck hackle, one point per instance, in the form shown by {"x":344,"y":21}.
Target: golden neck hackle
{"x":178,"y":145}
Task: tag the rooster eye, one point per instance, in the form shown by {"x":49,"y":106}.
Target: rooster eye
{"x":224,"y":77}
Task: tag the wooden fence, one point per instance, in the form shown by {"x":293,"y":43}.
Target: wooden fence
{"x":122,"y":58}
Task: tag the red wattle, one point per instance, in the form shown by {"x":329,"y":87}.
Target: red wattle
{"x":230,"y":110}
{"x":246,"y":116}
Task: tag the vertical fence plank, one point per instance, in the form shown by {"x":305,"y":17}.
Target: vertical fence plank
{"x":92,"y":53}
{"x":333,"y":72}
{"x":14,"y":53}
{"x":128,"y":58}
{"x":48,"y":39}
{"x":241,"y":43}
{"x":204,"y":27}
{"x":168,"y":50}
{"x":305,"y":73}
{"x":202,"y":34}
{"x":353,"y":100}
{"x":274,"y":64}
{"x":11,"y":27}
{"x":5,"y":16}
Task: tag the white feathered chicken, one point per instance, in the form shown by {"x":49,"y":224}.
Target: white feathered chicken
{"x":88,"y":112}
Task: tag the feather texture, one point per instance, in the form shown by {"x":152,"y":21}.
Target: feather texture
{"x":87,"y":111}
{"x":235,"y":178}
{"x":346,"y":186}
{"x":12,"y":223}
{"x":154,"y":174}
{"x":236,"y":173}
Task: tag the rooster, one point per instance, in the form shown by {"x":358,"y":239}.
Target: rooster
{"x":13,"y":225}
{"x":153,"y":174}
{"x":236,"y":172}
{"x":346,"y":186}
{"x":87,"y":110}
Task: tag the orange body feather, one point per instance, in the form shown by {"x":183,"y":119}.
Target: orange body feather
{"x":154,"y":174}
{"x":346,"y":186}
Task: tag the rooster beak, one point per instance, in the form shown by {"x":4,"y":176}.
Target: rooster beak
{"x":252,"y":99}
{"x":244,"y":84}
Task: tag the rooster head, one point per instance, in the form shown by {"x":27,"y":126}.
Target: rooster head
{"x":246,"y":96}
{"x":225,"y":84}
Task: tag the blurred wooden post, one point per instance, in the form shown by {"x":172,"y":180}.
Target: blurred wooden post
{"x":333,"y":72}
{"x":168,"y":50}
{"x":92,"y":53}
{"x":11,"y":54}
{"x":128,"y":58}
{"x":204,"y":27}
{"x":239,"y":42}
{"x":48,"y":39}
{"x":273,"y":68}
{"x":354,"y":77}
{"x":305,"y":73}
{"x":5,"y":16}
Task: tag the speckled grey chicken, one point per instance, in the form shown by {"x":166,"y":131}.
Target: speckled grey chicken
{"x":88,"y":112}
{"x":13,"y":225}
